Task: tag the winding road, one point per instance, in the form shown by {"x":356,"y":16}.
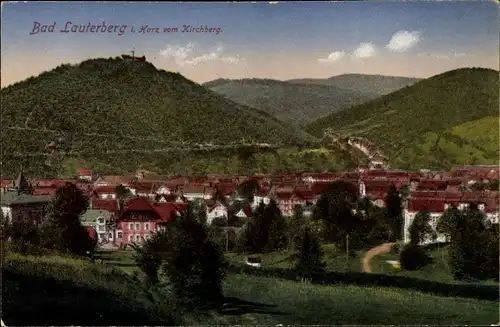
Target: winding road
{"x":380,"y":249}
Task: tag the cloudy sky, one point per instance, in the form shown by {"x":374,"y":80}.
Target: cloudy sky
{"x":262,"y":40}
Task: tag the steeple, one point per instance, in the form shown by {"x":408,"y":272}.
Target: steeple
{"x":21,"y":184}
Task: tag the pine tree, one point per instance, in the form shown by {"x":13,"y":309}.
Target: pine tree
{"x":394,"y":212}
{"x":309,"y":255}
{"x":469,"y":246}
{"x":277,"y":237}
{"x":194,"y":265}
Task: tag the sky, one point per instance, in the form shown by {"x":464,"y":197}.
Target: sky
{"x":206,"y":41}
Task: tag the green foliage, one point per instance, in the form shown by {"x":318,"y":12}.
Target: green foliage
{"x":394,"y":212}
{"x":103,"y":105}
{"x":265,"y":232}
{"x":447,"y":223}
{"x":309,"y":255}
{"x":428,"y":142}
{"x":60,"y":291}
{"x":334,"y":207}
{"x":24,"y":237}
{"x":189,"y":258}
{"x":292,"y":103}
{"x":473,"y":251}
{"x":413,"y":257}
{"x":62,"y":230}
{"x":277,"y":238}
{"x":420,"y":228}
{"x":296,"y":226}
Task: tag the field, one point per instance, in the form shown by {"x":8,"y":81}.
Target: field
{"x":87,"y":293}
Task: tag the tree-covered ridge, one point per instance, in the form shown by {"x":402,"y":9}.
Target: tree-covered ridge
{"x":103,"y":105}
{"x":373,"y":84}
{"x":422,"y":125}
{"x":121,"y":97}
{"x":293,"y":103}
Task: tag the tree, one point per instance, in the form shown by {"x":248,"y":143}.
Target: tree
{"x":195,"y":266}
{"x":277,"y":236}
{"x":494,"y":185}
{"x":420,"y":229}
{"x":394,"y":212}
{"x":255,"y":234}
{"x":150,"y":254}
{"x":296,"y":226}
{"x":413,"y":257}
{"x":447,"y":223}
{"x":247,"y":189}
{"x":469,"y":246}
{"x":492,"y":252}
{"x":122,"y":193}
{"x":309,"y":255}
{"x":335,"y":209}
{"x":62,"y":230}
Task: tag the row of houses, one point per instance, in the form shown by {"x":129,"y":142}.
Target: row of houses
{"x":155,"y":199}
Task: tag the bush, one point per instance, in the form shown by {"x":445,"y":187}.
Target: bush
{"x":413,"y":257}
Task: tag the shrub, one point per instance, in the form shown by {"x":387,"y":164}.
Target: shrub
{"x":413,"y":257}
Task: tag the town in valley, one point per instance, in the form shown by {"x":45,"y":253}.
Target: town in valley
{"x":182,"y":164}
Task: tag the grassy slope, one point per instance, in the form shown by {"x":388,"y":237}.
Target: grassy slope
{"x":119,"y":99}
{"x":292,"y":103}
{"x":63,"y":291}
{"x":420,"y":126}
{"x":32,"y":285}
{"x":372,"y":84}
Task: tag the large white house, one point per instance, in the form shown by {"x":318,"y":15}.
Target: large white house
{"x":436,"y":203}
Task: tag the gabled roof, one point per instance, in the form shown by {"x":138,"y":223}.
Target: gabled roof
{"x":13,"y":198}
{"x":110,"y":205}
{"x":91,"y":215}
{"x":166,"y":211}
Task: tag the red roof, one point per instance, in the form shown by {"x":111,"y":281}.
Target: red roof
{"x":84,"y":172}
{"x":107,"y":204}
{"x":45,"y":191}
{"x":105,"y":190}
{"x":166,"y":211}
{"x":227,"y":189}
{"x":91,"y":231}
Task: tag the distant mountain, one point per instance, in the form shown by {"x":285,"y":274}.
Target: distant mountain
{"x":450,"y":118}
{"x":293,"y":103}
{"x":373,"y":84}
{"x":103,"y":105}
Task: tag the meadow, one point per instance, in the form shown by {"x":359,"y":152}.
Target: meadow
{"x":60,"y":290}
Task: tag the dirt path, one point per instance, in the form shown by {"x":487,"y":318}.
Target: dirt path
{"x":383,"y":248}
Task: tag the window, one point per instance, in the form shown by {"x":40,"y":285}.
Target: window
{"x":146,"y":226}
{"x":131,"y":226}
{"x":137,"y":226}
{"x":137,"y":238}
{"x":131,"y":238}
{"x":100,"y":220}
{"x":101,"y":228}
{"x":120,"y":235}
{"x":110,"y":236}
{"x":147,"y":237}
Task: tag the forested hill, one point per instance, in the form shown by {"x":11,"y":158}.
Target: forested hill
{"x":112,"y":104}
{"x":293,"y":103}
{"x":450,"y":118}
{"x":372,"y":84}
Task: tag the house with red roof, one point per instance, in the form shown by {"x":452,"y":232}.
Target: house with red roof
{"x":139,"y":218}
{"x":216,"y":210}
{"x":437,"y":202}
{"x":84,"y":174}
{"x":105,"y":192}
{"x":196,"y":191}
{"x":263,"y":195}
